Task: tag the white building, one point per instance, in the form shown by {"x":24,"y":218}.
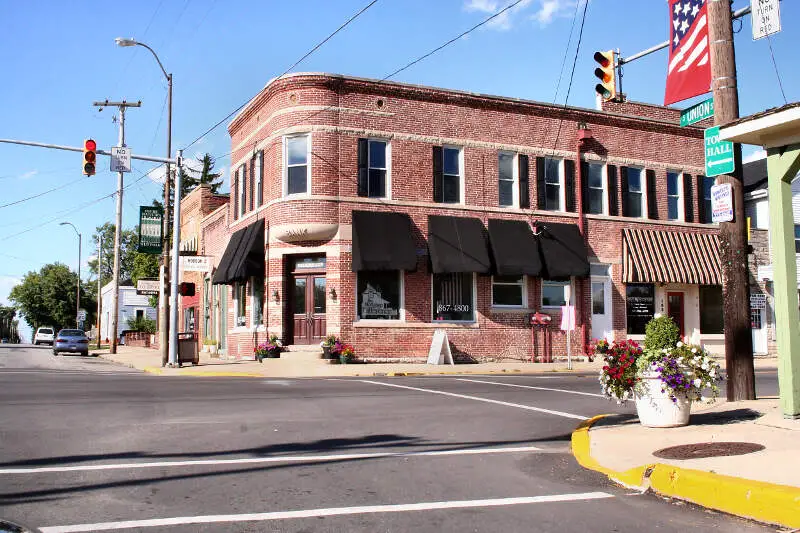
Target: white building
{"x":756,"y":199}
{"x":131,"y":305}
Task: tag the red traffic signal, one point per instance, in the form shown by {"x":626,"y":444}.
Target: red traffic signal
{"x":186,"y":289}
{"x":89,"y":157}
{"x":607,"y":88}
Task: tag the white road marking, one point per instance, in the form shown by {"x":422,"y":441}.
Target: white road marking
{"x":531,"y":387}
{"x":278,"y":459}
{"x":479,"y":399}
{"x":332,"y":511}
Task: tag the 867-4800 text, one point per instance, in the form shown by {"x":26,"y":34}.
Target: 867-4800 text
{"x":452,"y":308}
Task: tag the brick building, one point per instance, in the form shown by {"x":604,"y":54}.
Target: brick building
{"x":382,"y":211}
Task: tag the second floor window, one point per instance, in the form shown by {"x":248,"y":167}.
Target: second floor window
{"x":507,"y":180}
{"x":242,"y":188}
{"x":674,"y":203}
{"x":258,"y":170}
{"x":706,"y":199}
{"x":451,"y":179}
{"x":553,"y":184}
{"x":635,"y":193}
{"x":596,"y":187}
{"x":373,"y":157}
{"x":296,"y":153}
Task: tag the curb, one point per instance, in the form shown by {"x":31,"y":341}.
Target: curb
{"x":756,"y":500}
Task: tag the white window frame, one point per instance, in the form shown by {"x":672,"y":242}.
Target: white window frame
{"x":643,"y":182}
{"x":401,"y":318}
{"x":461,"y":189}
{"x":239,"y":320}
{"x":253,"y":301}
{"x":286,"y":165}
{"x":258,"y":168}
{"x":514,"y":179}
{"x":474,"y":305}
{"x":523,"y":284}
{"x":242,"y":197}
{"x":681,"y":196}
{"x":562,"y":193}
{"x":564,"y":284}
{"x":604,"y":181}
{"x":388,"y":168}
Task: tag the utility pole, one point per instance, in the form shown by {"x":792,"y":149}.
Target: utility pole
{"x":118,"y":229}
{"x":163,"y":299}
{"x":733,"y":237}
{"x":99,"y":286}
{"x":176,"y":237}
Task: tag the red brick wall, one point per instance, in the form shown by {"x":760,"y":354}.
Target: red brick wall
{"x":337,"y":111}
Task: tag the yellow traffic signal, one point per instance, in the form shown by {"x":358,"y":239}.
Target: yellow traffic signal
{"x":607,"y":88}
{"x":89,"y":157}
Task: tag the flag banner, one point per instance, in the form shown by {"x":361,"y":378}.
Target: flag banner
{"x":689,"y":71}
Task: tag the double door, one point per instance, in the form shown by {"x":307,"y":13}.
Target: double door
{"x":308,"y":308}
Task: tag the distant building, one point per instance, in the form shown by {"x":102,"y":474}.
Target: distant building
{"x":756,"y":205}
{"x":131,"y":305}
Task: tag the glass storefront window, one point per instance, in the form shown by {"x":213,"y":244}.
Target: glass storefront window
{"x":378,"y":295}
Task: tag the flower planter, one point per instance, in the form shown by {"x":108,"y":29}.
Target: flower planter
{"x":656,"y":409}
{"x":344,"y":359}
{"x":326,"y":352}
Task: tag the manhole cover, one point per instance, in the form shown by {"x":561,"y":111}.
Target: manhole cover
{"x":707,"y":449}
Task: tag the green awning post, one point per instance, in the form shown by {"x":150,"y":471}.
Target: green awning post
{"x":783,"y":164}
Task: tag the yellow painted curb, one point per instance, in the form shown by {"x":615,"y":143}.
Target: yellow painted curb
{"x":214,"y":373}
{"x":153,"y":370}
{"x":765,"y":502}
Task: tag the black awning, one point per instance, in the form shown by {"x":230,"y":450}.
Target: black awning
{"x":514,"y":247}
{"x":563,"y":251}
{"x":457,"y":245}
{"x":244,"y":255}
{"x":383,"y":241}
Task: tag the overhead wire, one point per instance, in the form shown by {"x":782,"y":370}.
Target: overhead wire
{"x":314,"y":49}
{"x":54,"y":189}
{"x":777,"y":73}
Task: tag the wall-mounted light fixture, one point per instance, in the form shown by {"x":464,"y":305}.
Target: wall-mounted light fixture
{"x":275,"y":296}
{"x":333,"y":293}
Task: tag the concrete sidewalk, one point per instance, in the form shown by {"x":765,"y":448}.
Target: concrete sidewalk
{"x":762,"y":485}
{"x":149,"y":360}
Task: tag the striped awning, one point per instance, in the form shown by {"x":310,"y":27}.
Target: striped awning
{"x":653,"y":256}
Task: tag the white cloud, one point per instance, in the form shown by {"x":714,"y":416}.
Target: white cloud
{"x":6,"y":284}
{"x":28,"y":175}
{"x":546,"y":11}
{"x":755,"y":156}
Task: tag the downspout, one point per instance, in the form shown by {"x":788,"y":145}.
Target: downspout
{"x":584,"y":134}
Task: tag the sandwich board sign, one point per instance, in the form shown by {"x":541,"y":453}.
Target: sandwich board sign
{"x":439,"y":353}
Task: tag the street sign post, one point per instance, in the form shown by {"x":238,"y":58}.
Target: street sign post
{"x":719,"y":154}
{"x":765,"y":17}
{"x":697,"y":112}
{"x":722,"y":203}
{"x":120,"y":159}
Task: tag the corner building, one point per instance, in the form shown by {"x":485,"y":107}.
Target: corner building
{"x":381,"y":212}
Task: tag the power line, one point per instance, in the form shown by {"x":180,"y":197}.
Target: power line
{"x":340,"y":28}
{"x":778,"y":74}
{"x":43,"y":193}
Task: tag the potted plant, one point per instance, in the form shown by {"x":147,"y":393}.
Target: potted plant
{"x":346,"y":354}
{"x":272,"y":348}
{"x":664,"y":377}
{"x":327,"y":346}
{"x":210,"y":345}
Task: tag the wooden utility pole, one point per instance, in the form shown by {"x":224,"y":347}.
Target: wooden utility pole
{"x":733,"y":237}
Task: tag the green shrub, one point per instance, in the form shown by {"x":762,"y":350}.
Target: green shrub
{"x":660,"y":333}
{"x":143,"y":323}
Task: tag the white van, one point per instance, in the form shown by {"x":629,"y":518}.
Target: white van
{"x":43,"y":336}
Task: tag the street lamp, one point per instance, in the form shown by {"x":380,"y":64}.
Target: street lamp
{"x":78,"y":297}
{"x":163,"y":300}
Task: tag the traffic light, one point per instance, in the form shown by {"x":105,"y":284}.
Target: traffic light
{"x":186,"y":289}
{"x":89,"y":157}
{"x":607,"y":88}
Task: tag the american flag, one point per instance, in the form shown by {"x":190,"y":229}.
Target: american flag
{"x":689,"y":72}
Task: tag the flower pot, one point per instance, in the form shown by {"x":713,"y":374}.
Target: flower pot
{"x":656,"y":409}
{"x":344,"y":359}
{"x":274,"y":354}
{"x":326,"y":352}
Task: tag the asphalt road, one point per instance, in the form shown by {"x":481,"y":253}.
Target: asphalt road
{"x":86,"y":445}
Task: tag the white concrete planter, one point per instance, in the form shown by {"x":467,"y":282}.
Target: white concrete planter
{"x":656,"y":409}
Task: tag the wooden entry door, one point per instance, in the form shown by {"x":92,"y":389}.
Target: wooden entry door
{"x":308,"y":308}
{"x":675,"y":310}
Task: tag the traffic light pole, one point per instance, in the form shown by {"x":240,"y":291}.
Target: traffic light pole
{"x":176,"y":237}
{"x":163,"y":299}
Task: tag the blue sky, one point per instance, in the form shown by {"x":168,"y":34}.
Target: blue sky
{"x":59,"y":57}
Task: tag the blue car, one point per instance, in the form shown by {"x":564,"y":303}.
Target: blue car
{"x":71,"y":340}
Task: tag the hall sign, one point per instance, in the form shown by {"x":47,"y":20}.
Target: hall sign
{"x":722,"y":203}
{"x":719,"y":154}
{"x":150,"y":221}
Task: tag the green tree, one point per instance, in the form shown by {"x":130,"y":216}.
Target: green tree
{"x":129,"y":242}
{"x":191,"y":177}
{"x":47,"y":297}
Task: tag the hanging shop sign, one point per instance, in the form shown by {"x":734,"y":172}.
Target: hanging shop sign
{"x":150,"y":235}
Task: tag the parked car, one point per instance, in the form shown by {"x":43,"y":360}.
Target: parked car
{"x":71,"y":340}
{"x":43,"y":336}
